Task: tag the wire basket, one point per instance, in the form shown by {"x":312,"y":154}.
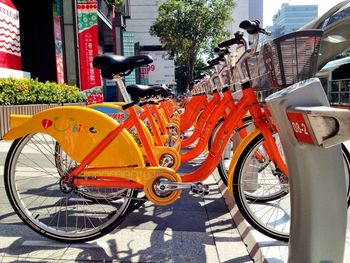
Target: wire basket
{"x":253,"y":69}
{"x":291,"y":58}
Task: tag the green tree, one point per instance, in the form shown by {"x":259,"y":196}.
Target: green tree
{"x":116,"y":5}
{"x":344,"y":54}
{"x":188,"y":27}
{"x":180,"y":72}
{"x":116,"y":2}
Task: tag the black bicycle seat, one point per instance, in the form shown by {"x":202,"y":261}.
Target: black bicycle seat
{"x":113,"y":64}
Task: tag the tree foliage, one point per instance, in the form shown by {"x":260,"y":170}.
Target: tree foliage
{"x":116,"y":3}
{"x":188,"y":27}
{"x":344,"y":54}
{"x":180,"y":72}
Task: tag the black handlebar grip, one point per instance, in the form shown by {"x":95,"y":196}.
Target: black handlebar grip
{"x":217,"y":49}
{"x":235,"y":40}
{"x":252,"y":27}
{"x":199,"y":76}
{"x":128,"y":105}
{"x":215,"y":61}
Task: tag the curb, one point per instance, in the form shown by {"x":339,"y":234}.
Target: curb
{"x":260,"y":247}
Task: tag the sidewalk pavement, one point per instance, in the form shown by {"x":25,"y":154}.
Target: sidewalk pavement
{"x":193,"y":229}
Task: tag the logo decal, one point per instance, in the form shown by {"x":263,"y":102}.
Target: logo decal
{"x":92,"y":130}
{"x":46,"y":123}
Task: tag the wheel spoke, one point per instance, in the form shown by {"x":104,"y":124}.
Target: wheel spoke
{"x":36,"y":165}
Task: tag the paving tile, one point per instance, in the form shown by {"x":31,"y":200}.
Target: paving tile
{"x":7,"y":215}
{"x":167,"y":246}
{"x":155,"y":246}
{"x":173,"y":219}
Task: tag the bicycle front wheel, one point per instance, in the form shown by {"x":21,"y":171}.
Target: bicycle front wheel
{"x":261,"y":191}
{"x":33,"y":171}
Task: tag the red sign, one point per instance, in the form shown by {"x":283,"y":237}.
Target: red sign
{"x":300,"y":128}
{"x":59,"y":50}
{"x":90,"y":79}
{"x":10,"y":47}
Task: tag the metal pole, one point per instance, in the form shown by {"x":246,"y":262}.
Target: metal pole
{"x":316,"y":177}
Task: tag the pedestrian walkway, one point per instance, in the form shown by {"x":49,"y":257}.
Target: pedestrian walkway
{"x":193,"y":229}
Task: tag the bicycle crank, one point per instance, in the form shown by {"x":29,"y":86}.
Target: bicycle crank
{"x":196,"y":188}
{"x":168,"y":157}
{"x":157,"y":193}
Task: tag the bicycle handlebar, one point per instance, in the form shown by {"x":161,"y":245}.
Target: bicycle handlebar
{"x":237,"y":39}
{"x":215,"y":61}
{"x":253,"y":27}
{"x":221,"y":51}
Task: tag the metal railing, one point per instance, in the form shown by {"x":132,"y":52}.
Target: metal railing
{"x":338,"y":92}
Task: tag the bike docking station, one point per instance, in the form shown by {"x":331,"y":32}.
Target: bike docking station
{"x":311,"y":132}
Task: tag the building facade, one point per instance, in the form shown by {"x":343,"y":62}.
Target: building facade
{"x":60,"y":38}
{"x":292,"y":17}
{"x":143,"y":14}
{"x":246,"y":9}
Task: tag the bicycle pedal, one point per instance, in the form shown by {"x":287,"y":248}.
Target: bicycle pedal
{"x":200,"y":189}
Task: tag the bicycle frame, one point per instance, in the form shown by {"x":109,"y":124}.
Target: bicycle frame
{"x":132,"y":178}
{"x":202,"y":120}
{"x":248,"y":101}
{"x":218,"y":112}
{"x":195,"y":104}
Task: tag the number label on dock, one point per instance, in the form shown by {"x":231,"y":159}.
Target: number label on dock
{"x":300,"y":128}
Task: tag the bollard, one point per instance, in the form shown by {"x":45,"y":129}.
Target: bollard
{"x":316,"y":177}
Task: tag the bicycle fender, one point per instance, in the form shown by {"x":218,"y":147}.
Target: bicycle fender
{"x":79,"y":130}
{"x":236,"y":156}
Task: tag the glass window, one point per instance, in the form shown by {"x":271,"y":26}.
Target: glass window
{"x":339,"y":15}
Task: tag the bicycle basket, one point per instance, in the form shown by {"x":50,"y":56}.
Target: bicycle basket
{"x":253,"y":69}
{"x":291,"y":58}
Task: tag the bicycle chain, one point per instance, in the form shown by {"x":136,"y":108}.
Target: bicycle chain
{"x":144,"y":199}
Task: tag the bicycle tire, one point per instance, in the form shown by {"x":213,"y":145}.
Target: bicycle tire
{"x":275,"y":209}
{"x":32,"y":184}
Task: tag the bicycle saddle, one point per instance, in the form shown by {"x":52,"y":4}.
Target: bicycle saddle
{"x":138,"y":92}
{"x":113,"y":64}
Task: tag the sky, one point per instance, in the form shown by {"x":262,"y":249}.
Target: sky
{"x":272,"y":6}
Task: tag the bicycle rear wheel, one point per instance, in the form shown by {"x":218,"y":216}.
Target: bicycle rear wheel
{"x":261,"y":191}
{"x":34,"y":188}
